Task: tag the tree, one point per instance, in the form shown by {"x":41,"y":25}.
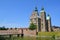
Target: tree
{"x":32,"y":26}
{"x":3,"y":28}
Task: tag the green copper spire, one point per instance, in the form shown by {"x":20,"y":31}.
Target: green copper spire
{"x":48,"y":15}
{"x":36,"y":9}
{"x":42,"y":8}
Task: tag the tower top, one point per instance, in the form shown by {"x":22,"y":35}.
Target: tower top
{"x":42,"y":8}
{"x":48,"y":17}
{"x":36,"y":8}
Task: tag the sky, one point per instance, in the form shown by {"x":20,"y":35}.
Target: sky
{"x":16,"y":13}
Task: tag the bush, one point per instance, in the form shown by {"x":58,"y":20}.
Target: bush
{"x":32,"y":26}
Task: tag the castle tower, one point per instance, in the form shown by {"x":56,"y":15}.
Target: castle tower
{"x":34,"y":17}
{"x":49,"y":23}
{"x":43,"y":20}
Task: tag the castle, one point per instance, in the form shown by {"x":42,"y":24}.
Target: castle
{"x":43,"y":23}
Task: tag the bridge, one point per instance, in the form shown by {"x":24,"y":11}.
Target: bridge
{"x":11,"y":32}
{"x":18,"y":32}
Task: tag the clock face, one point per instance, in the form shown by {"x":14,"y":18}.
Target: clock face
{"x":48,"y":18}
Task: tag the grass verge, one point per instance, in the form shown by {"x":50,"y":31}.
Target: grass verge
{"x":48,"y":33}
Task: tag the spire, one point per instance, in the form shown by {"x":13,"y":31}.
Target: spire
{"x":36,"y":8}
{"x":42,"y":8}
{"x":48,"y":15}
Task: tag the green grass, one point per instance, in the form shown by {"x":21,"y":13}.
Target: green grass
{"x":42,"y":38}
{"x":48,"y":33}
{"x":26,"y":38}
{"x":18,"y":38}
{"x":35,"y":38}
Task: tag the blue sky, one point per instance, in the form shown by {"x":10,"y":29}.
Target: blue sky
{"x":16,"y":13}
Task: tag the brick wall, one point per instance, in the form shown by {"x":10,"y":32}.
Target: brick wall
{"x":26,"y":31}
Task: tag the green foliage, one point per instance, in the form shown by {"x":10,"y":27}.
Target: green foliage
{"x":3,"y":28}
{"x":32,"y":26}
{"x":53,"y":36}
{"x":15,"y":28}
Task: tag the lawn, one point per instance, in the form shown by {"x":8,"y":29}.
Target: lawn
{"x":48,"y":33}
{"x":18,"y":38}
{"x":26,"y":38}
